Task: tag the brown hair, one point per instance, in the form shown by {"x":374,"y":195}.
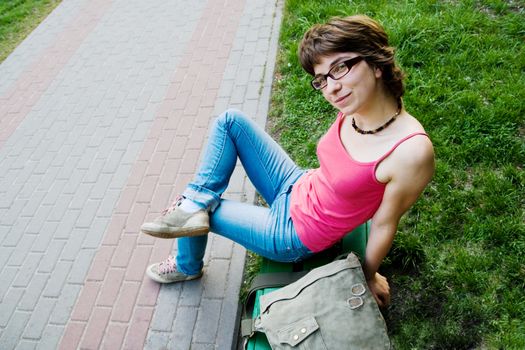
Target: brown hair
{"x":359,"y":34}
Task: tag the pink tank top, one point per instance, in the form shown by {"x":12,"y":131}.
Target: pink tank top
{"x":332,"y":200}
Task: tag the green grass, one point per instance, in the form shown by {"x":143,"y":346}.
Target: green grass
{"x":457,"y":267}
{"x":18,"y":18}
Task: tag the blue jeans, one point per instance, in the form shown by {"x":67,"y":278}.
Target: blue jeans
{"x":266,"y":231}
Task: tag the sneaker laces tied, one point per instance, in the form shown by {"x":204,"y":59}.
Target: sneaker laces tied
{"x":168,"y":265}
{"x":173,"y":205}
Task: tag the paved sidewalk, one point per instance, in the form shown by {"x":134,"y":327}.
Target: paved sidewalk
{"x":104,"y":111}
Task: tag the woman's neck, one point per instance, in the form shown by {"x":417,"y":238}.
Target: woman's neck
{"x":376,"y":114}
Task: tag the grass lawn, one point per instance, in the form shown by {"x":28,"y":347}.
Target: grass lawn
{"x":18,"y":18}
{"x":457,"y":267}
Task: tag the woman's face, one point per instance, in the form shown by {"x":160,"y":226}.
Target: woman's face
{"x":355,"y":91}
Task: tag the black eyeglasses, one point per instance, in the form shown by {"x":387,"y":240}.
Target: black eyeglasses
{"x":336,"y":72}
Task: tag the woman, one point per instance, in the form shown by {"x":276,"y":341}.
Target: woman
{"x":375,"y":160}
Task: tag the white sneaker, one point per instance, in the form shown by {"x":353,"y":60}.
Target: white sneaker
{"x":166,"y":272}
{"x":175,"y":222}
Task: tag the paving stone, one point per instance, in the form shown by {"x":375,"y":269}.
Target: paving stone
{"x":88,"y":295}
{"x":64,"y":305}
{"x":14,"y":329}
{"x":100,"y":263}
{"x":26,"y":344}
{"x":183,"y":325}
{"x":207,"y":321}
{"x":39,"y":218}
{"x":157,"y":340}
{"x":27,"y":270}
{"x":43,"y":239}
{"x":11,"y":193}
{"x":39,"y":318}
{"x":54,"y":193}
{"x":50,"y":337}
{"x":138,"y":328}
{"x":214,"y":282}
{"x":47,"y":265}
{"x":111,"y":287}
{"x":230,"y":304}
{"x":95,"y":233}
{"x":67,"y":224}
{"x":29,"y":187}
{"x":5,"y":254}
{"x":80,"y":266}
{"x":136,"y":217}
{"x":60,"y":207}
{"x":73,"y":244}
{"x":168,"y":298}
{"x":8,"y":306}
{"x":15,"y":234}
{"x":123,"y":308}
{"x":99,"y":190}
{"x":87,"y":213}
{"x":32,"y":292}
{"x":119,"y":177}
{"x":87,"y":156}
{"x":57,"y":279}
{"x":72,"y":335}
{"x":95,"y":328}
{"x":137,"y":266}
{"x":191,"y":293}
{"x":21,"y":250}
{"x":122,"y":253}
{"x":7,"y":276}
{"x":32,"y":206}
{"x":13,"y":213}
{"x":74,"y":182}
{"x":126,"y":200}
{"x":200,"y":346}
{"x":114,"y":336}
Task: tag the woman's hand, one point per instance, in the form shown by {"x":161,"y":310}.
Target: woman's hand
{"x":380,"y":289}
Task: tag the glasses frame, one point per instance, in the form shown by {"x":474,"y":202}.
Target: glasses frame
{"x":349,"y":63}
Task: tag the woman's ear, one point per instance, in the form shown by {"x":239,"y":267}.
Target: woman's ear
{"x":378,"y":72}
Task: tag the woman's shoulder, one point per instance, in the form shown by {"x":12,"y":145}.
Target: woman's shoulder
{"x":408,"y":124}
{"x":414,"y":155}
{"x":414,"y":147}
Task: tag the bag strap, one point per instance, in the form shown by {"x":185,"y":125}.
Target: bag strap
{"x":262,"y":281}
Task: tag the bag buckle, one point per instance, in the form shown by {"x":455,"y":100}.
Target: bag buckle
{"x":355,"y":302}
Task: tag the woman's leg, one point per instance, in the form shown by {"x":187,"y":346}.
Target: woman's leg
{"x":271,"y":171}
{"x":235,"y":136}
{"x":268,"y":232}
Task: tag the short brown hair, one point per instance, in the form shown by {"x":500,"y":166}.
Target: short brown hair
{"x":359,"y":34}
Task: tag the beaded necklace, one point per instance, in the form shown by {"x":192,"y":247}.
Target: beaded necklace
{"x":382,"y":127}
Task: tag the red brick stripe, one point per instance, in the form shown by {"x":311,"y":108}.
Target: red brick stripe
{"x":116,"y":305}
{"x":25,"y":93}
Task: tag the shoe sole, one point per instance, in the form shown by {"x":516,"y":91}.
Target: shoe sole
{"x":193,"y":232}
{"x":155,"y":278}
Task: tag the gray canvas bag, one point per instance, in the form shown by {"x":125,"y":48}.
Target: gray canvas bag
{"x":329,"y":308}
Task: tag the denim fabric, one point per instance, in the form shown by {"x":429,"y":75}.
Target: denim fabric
{"x":266,"y":231}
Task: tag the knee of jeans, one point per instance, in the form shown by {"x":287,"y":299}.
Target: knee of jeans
{"x":229,"y":116}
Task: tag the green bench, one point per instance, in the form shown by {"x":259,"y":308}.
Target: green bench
{"x":355,"y":242}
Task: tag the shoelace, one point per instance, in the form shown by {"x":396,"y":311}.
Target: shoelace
{"x":167,"y":266}
{"x":173,"y":205}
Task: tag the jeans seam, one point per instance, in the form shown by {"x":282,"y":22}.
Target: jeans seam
{"x":222,"y":145}
{"x":274,"y":189}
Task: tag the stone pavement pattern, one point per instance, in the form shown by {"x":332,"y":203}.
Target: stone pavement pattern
{"x":104,"y":111}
